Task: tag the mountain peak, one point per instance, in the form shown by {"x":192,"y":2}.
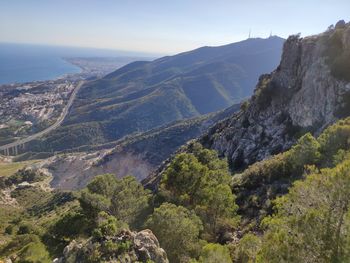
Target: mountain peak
{"x":313,"y":71}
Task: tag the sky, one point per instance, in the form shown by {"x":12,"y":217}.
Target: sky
{"x":162,"y":26}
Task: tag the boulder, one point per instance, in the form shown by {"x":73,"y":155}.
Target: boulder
{"x":148,"y":247}
{"x":140,"y":246}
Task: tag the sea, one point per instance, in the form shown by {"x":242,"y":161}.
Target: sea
{"x":21,"y":63}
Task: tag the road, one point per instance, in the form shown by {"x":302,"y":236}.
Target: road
{"x":49,"y":129}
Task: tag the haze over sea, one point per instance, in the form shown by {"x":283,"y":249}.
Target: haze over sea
{"x":26,"y":62}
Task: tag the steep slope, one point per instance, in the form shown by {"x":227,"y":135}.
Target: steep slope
{"x":145,"y":95}
{"x":138,"y":155}
{"x":309,"y":90}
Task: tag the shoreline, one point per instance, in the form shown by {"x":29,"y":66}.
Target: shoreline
{"x":59,"y":77}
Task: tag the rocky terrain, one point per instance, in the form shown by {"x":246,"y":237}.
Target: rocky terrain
{"x":308,"y":91}
{"x":138,"y":155}
{"x":143,"y":247}
{"x":289,"y":191}
{"x":286,"y":103}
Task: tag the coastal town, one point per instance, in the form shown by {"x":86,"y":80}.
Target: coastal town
{"x":28,"y":108}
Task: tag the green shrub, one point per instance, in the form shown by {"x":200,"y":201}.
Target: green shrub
{"x":338,"y":57}
{"x":27,"y":247}
{"x":108,"y":226}
{"x":125,"y":198}
{"x":247,"y":248}
{"x":70,"y":226}
{"x":305,"y":152}
{"x":25,"y":175}
{"x":177,"y":230}
{"x":9,"y":229}
{"x":333,"y":139}
{"x":27,"y":228}
{"x":312,"y":220}
{"x":201,"y":181}
{"x":215,"y":253}
{"x":33,"y":253}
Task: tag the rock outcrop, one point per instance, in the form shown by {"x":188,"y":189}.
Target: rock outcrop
{"x":127,"y":246}
{"x":309,"y":90}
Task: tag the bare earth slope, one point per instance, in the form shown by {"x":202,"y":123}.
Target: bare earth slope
{"x":137,"y":155}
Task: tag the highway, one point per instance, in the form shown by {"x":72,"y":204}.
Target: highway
{"x":49,"y":129}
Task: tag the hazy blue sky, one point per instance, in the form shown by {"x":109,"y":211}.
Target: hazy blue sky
{"x":162,"y":26}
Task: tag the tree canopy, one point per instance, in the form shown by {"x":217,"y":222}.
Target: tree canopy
{"x":177,"y":229}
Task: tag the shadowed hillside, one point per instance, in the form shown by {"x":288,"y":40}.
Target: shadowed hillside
{"x":145,"y":95}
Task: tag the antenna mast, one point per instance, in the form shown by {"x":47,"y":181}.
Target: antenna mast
{"x":250,"y":31}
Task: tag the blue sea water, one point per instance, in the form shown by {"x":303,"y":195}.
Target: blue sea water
{"x":26,"y":62}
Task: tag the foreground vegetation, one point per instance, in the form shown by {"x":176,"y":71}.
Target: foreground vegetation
{"x":293,"y":207}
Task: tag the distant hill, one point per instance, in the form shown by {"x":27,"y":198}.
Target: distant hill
{"x":144,"y":95}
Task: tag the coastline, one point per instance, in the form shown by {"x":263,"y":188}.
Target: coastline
{"x":63,"y":69}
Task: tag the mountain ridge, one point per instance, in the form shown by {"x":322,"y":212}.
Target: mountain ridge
{"x":286,"y":102}
{"x":152,"y":94}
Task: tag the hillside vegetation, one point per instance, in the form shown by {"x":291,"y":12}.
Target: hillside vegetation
{"x":9,"y":168}
{"x":145,"y":95}
{"x":292,"y":207}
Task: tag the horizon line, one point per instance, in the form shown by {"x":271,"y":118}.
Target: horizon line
{"x":137,"y":52}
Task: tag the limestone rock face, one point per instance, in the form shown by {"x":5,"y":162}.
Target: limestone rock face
{"x":148,"y":246}
{"x":305,"y":93}
{"x":126,"y":247}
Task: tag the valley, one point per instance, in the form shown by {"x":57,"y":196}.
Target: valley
{"x":233,"y":153}
{"x":146,"y":95}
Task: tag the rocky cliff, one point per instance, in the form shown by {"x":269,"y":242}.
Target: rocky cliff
{"x":309,"y":90}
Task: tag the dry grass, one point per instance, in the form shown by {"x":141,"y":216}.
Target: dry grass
{"x":7,"y":169}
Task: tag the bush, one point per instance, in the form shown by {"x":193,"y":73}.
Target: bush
{"x":9,"y":229}
{"x":311,"y":221}
{"x":305,"y":152}
{"x":25,"y":175}
{"x":125,"y":198}
{"x":333,"y":139}
{"x":177,"y":230}
{"x":70,"y":226}
{"x":338,"y":57}
{"x":27,"y":247}
{"x":27,"y":228}
{"x":215,"y":253}
{"x":247,"y":248}
{"x":201,"y":181}
{"x":34,"y":252}
{"x":107,"y":226}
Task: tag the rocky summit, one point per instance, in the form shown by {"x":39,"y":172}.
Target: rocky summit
{"x":309,"y":90}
